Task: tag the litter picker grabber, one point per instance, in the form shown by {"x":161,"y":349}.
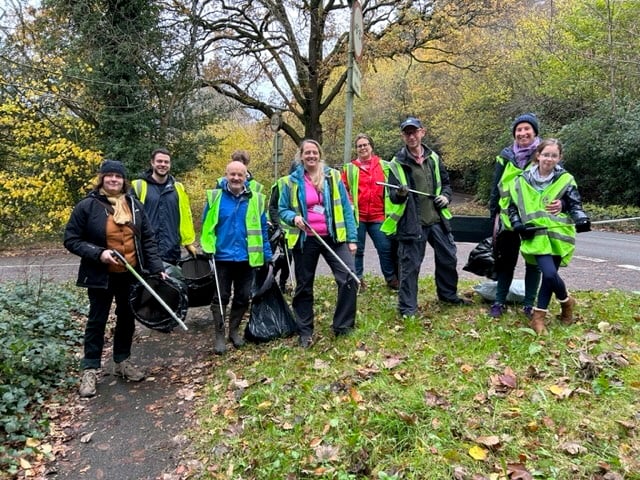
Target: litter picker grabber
{"x":598,"y":222}
{"x":212,"y":262}
{"x":428,"y":195}
{"x":335,"y":255}
{"x":287,"y":256}
{"x":164,"y":305}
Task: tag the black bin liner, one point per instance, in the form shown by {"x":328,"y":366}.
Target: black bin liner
{"x":148,"y":311}
{"x":270,"y":315}
{"x":481,"y":260}
{"x":199,"y":278}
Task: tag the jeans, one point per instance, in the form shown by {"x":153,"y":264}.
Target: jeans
{"x":551,"y":281}
{"x":507,"y":251}
{"x":99,"y":306}
{"x":384,"y":247}
{"x":305,"y":261}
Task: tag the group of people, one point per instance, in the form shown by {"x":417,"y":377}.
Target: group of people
{"x":402,"y":204}
{"x":537,"y":211}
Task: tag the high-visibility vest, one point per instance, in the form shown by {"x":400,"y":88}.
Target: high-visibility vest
{"x":255,"y":210}
{"x":390,"y":225}
{"x":353,"y":178}
{"x":559,"y":238}
{"x":338,"y":213}
{"x":185,"y":228}
{"x":510,"y":172}
{"x":290,"y":233}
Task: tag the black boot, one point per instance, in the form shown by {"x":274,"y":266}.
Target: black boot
{"x":235,"y":317}
{"x":219,"y":345}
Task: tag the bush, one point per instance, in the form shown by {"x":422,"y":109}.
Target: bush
{"x":602,"y":152}
{"x":38,"y":336}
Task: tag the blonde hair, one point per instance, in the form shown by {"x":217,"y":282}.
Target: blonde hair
{"x":317,"y":177}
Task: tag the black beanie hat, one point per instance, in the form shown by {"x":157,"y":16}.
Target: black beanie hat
{"x":529,"y":118}
{"x":113,"y":166}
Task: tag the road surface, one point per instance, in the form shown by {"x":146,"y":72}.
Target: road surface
{"x":603,"y":260}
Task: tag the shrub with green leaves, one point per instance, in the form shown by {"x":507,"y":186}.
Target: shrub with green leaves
{"x":38,"y":336}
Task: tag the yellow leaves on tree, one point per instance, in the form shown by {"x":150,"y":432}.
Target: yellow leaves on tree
{"x":46,"y":167}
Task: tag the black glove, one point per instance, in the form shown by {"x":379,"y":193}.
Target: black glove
{"x":441,"y":201}
{"x":526,"y":232}
{"x":583,"y":225}
{"x":403,"y":191}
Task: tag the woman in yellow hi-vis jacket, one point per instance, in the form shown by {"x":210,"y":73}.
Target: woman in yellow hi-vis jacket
{"x":547,"y":239}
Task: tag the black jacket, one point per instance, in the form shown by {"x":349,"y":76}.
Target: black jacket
{"x":86,"y":236}
{"x":409,"y":225}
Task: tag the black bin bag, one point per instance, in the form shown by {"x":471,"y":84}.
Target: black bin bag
{"x":481,"y":260}
{"x":270,"y":315}
{"x":199,"y":278}
{"x":173,"y":291}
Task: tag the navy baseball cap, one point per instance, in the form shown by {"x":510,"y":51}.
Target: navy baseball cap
{"x":411,"y":122}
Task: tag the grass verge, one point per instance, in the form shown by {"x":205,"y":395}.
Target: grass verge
{"x":451,"y":393}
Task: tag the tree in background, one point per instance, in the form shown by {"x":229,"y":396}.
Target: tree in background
{"x":272,"y":56}
{"x":137,"y":61}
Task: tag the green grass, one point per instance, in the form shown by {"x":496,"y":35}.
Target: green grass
{"x":411,"y":399}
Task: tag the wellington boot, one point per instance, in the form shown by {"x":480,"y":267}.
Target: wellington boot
{"x":537,"y":320}
{"x":566,"y":315}
{"x":219,"y":345}
{"x":235,"y":317}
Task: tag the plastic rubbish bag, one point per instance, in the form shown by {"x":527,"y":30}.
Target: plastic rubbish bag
{"x":173,"y":291}
{"x":270,"y":316}
{"x":481,"y":261}
{"x":487,"y":290}
{"x":199,"y":278}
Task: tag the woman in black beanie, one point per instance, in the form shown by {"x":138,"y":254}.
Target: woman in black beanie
{"x":513,"y":160}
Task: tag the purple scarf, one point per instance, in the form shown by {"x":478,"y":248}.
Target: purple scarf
{"x":523,"y":154}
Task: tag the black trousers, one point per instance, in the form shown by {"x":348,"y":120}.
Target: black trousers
{"x":99,"y":306}
{"x":306,"y":256}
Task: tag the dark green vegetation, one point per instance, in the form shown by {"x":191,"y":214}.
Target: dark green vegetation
{"x":39,"y":336}
{"x":449,"y":394}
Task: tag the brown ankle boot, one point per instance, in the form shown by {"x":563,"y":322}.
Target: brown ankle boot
{"x":566,"y":315}
{"x":537,"y":320}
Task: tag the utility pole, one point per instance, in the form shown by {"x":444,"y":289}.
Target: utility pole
{"x":356,"y":31}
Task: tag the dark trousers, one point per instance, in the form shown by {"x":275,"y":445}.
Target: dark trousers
{"x":506,"y":253}
{"x":551,"y":281}
{"x":237,"y":276}
{"x":411,"y":254}
{"x":99,"y":306}
{"x":305,"y":259}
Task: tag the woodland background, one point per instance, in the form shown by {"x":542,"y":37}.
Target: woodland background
{"x":81,"y":80}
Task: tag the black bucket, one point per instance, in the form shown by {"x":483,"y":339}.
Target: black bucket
{"x":148,"y":310}
{"x":199,"y":278}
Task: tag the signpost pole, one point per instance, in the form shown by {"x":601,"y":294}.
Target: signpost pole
{"x":355,"y":50}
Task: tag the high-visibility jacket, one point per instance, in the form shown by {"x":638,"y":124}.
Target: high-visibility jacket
{"x":290,"y":233}
{"x":255,"y":210}
{"x":509,"y":174}
{"x":390,"y":225}
{"x":338,"y":210}
{"x":352,"y":176}
{"x":185,"y":223}
{"x":559,"y":236}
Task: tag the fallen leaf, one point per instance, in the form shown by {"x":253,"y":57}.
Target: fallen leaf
{"x":478,"y":453}
{"x":391,"y":362}
{"x":492,"y":441}
{"x":572,"y":448}
{"x":466,"y":368}
{"x":86,"y":438}
{"x":355,"y":395}
{"x":24,"y":464}
{"x":32,"y":442}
